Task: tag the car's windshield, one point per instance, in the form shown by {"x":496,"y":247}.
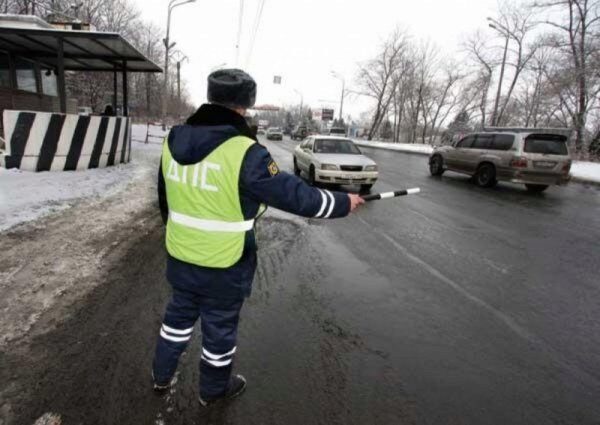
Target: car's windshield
{"x":336,"y":146}
{"x":546,"y":144}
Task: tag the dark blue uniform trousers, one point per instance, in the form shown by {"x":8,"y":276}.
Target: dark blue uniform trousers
{"x":219,"y":321}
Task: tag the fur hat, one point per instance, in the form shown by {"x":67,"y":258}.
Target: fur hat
{"x":231,"y":87}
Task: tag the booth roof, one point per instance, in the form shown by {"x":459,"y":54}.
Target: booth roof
{"x":83,"y":50}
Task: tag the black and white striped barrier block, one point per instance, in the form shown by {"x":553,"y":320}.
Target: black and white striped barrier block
{"x":43,"y":141}
{"x":385,"y":195}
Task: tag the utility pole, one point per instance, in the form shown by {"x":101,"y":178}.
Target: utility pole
{"x":343,"y":80}
{"x":342,"y":100}
{"x":301,"y":103}
{"x":504,"y":31}
{"x":179,"y":81}
{"x":168,"y":46}
{"x":182,"y":58}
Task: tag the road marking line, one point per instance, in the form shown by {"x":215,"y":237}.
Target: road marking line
{"x":514,"y":326}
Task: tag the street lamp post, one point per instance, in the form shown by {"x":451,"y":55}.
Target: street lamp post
{"x":301,"y":103}
{"x":341,"y":78}
{"x":301,"y":100}
{"x":168,"y":45}
{"x":498,"y":27}
{"x":182,"y":58}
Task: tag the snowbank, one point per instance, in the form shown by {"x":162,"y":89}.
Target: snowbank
{"x":155,"y":133}
{"x":26,"y":195}
{"x":580,"y":170}
{"x":586,"y":171}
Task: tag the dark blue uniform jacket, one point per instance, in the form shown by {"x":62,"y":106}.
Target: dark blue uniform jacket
{"x":260,"y":182}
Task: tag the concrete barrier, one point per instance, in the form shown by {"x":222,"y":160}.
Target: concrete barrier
{"x":42,"y":141}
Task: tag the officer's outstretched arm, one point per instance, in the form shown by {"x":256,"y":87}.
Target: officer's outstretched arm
{"x":262,"y":180}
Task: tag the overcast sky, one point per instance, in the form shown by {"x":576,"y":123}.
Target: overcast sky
{"x":304,"y":40}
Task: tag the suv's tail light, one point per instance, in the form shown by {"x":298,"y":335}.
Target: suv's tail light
{"x":566,"y":168}
{"x":518,"y":162}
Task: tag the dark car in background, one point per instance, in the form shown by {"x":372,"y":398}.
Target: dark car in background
{"x":300,"y":132}
{"x":337,"y":131}
{"x":274,"y":133}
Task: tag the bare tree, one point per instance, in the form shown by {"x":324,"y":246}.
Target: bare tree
{"x":425,"y":61}
{"x":478,"y":50}
{"x":535,"y":97}
{"x":516,"y":22}
{"x":444,"y":99}
{"x":376,"y":77}
{"x":403,"y":85}
{"x":577,"y":38}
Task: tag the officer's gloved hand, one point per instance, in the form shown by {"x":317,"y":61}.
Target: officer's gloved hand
{"x":355,"y":201}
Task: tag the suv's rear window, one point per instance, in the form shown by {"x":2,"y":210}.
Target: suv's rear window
{"x":546,"y":144}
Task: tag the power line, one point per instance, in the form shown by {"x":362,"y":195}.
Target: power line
{"x":255,"y":28}
{"x":239,"y":34}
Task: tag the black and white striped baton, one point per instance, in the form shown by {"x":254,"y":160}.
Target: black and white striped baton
{"x":384,"y":195}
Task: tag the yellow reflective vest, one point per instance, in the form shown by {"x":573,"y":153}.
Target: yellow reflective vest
{"x":206,"y":226}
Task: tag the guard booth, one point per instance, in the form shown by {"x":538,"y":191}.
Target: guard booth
{"x":41,"y":128}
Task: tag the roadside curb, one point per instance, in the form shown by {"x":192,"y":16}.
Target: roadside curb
{"x":584,"y":181}
{"x":368,"y":145}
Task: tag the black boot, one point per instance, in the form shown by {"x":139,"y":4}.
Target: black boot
{"x":161,"y":388}
{"x":237,"y":385}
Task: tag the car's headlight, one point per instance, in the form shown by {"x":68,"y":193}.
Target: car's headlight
{"x":330,"y":167}
{"x":371,"y":168}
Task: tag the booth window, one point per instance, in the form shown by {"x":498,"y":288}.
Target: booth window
{"x":49,"y":84}
{"x":4,"y":70}
{"x":26,"y":75}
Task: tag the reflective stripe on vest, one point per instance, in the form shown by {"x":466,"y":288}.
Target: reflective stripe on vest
{"x":211,"y":225}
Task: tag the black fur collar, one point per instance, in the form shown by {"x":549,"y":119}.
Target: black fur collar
{"x":212,"y":115}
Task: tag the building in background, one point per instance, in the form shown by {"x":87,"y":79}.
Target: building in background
{"x":40,"y":125}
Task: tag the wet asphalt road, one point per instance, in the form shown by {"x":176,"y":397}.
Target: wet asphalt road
{"x":486,"y":301}
{"x":459,"y":305}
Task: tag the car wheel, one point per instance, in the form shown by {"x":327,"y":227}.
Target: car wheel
{"x":436,"y":165}
{"x":536,"y":188}
{"x":486,"y":175}
{"x":365,"y":188}
{"x":296,"y":169}
{"x":311,"y":176}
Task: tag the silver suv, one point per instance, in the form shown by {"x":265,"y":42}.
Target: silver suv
{"x":535,"y":159}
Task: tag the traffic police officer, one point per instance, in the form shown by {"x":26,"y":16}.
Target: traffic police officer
{"x":214,"y":182}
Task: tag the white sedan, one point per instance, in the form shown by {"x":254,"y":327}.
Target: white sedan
{"x":334,"y":160}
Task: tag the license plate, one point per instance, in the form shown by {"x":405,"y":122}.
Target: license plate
{"x":544,"y":164}
{"x":353,"y":176}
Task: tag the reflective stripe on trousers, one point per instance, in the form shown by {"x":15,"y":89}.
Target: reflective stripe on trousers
{"x":219,"y":321}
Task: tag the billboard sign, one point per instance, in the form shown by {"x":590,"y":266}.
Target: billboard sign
{"x":327,"y":114}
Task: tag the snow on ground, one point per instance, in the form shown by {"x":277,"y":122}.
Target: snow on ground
{"x":154,"y":133}
{"x":586,"y":171}
{"x":26,"y":196}
{"x":580,"y":170}
{"x":401,"y":147}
